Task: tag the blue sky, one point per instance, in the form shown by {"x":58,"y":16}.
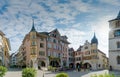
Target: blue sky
{"x":78,"y":19}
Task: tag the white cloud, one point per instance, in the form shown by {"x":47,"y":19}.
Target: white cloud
{"x":18,"y":20}
{"x":75,"y":37}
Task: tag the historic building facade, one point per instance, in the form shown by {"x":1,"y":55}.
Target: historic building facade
{"x":4,"y":50}
{"x":33,"y":51}
{"x":71,"y":58}
{"x":57,"y":49}
{"x":88,"y":56}
{"x":13,"y":60}
{"x":43,"y":49}
{"x":114,"y":43}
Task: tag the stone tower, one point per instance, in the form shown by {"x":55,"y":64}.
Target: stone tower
{"x":94,"y":48}
{"x":33,"y":47}
{"x":114,"y":43}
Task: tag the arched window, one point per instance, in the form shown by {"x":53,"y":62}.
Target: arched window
{"x":118,"y":59}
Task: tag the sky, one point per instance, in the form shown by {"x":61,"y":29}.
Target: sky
{"x":77,"y":19}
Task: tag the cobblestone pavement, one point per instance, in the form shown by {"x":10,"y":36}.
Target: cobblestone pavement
{"x":18,"y":73}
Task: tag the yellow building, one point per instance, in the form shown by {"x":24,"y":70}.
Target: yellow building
{"x":88,"y":56}
{"x":32,"y":52}
{"x":4,"y":50}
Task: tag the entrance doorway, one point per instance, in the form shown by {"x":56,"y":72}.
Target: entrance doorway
{"x":87,"y":66}
{"x":54,"y":64}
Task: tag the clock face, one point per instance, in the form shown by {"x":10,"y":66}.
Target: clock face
{"x":117,"y":33}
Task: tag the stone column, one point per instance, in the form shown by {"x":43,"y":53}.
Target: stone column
{"x":35,"y":64}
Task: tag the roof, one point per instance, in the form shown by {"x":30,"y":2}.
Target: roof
{"x":46,"y":33}
{"x":71,"y":49}
{"x":101,"y":52}
{"x":94,"y":39}
{"x":117,"y":18}
{"x":79,"y":49}
{"x":33,"y":28}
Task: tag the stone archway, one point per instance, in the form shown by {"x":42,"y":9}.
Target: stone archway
{"x":71,"y":65}
{"x":87,"y":65}
{"x":42,"y":63}
{"x":78,"y":65}
{"x":54,"y":63}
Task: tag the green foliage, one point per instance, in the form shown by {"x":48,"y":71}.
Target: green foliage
{"x":94,"y":75}
{"x":62,"y":75}
{"x":100,"y":75}
{"x":50,"y":68}
{"x":29,"y":72}
{"x":3,"y":70}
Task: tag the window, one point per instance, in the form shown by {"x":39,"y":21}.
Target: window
{"x":42,"y":53}
{"x":118,"y":59}
{"x":41,"y":39}
{"x":49,"y":39}
{"x":118,"y":44}
{"x":33,"y":42}
{"x":86,"y":47}
{"x":118,"y":24}
{"x":94,"y":51}
{"x":41,"y":45}
{"x":54,"y":41}
{"x":87,"y":52}
{"x":117,"y":33}
{"x":49,"y":53}
{"x":33,"y":51}
{"x":49,"y":45}
{"x":33,"y":36}
{"x":54,"y":46}
{"x":59,"y":55}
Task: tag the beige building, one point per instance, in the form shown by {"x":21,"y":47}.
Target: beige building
{"x":71,"y":58}
{"x":57,"y":49}
{"x":114,"y":43}
{"x":4,"y":50}
{"x":32,"y":52}
{"x":43,"y":49}
{"x":90,"y":57}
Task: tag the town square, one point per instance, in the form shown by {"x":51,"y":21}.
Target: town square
{"x":60,"y":38}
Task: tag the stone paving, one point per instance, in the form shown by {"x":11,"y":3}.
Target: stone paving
{"x":18,"y":73}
